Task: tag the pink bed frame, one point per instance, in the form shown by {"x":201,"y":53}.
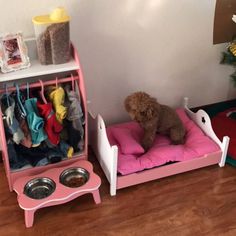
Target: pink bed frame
{"x":107,"y":155}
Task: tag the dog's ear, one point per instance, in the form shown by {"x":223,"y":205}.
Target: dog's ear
{"x":153,"y":109}
{"x":130,"y":103}
{"x":126,"y":104}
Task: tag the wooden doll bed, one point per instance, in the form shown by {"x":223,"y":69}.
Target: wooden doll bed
{"x":107,"y":154}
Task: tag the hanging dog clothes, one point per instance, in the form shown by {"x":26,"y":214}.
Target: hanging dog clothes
{"x":57,"y":97}
{"x":35,"y":122}
{"x":8,"y":106}
{"x":20,"y":115}
{"x":75,"y":118}
{"x":52,"y":127}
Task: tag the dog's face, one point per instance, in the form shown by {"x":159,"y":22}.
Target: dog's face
{"x":141,"y":107}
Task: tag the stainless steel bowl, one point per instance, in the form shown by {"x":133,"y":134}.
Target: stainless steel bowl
{"x":39,"y":188}
{"x":74,"y":177}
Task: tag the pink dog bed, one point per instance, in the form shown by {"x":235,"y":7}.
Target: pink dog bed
{"x":132,"y":158}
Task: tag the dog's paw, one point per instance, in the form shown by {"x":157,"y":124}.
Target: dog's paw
{"x":146,"y":144}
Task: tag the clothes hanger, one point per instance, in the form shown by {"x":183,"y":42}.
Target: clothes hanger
{"x":72,"y":82}
{"x":42,"y":92}
{"x":56,"y":82}
{"x":6,"y":92}
{"x":19,"y":98}
{"x":27,"y":90}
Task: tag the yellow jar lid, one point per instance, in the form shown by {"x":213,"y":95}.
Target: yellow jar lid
{"x":58,"y":15}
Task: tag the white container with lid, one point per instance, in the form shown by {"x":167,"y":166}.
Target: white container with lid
{"x":53,"y":37}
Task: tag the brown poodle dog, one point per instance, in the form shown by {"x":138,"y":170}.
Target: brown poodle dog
{"x":154,"y":117}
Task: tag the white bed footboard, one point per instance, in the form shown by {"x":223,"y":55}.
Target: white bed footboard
{"x":202,"y":119}
{"x":105,"y":153}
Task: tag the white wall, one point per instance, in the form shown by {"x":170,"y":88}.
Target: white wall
{"x":158,"y":46}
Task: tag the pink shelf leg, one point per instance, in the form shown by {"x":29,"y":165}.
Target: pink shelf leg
{"x":29,"y":218}
{"x":96,"y":196}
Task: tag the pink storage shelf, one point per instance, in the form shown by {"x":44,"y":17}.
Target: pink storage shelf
{"x":79,"y":79}
{"x":17,"y":178}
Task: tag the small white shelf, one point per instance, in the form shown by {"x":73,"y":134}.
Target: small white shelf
{"x":36,"y":69}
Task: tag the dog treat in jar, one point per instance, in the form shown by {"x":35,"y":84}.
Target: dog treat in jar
{"x":53,"y":37}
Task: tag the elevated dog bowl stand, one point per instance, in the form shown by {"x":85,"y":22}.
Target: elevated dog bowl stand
{"x":62,"y":194}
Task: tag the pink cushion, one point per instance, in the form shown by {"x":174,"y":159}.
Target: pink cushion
{"x":131,"y":159}
{"x":129,"y":143}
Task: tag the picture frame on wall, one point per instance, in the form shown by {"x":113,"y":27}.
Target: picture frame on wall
{"x":13,"y":53}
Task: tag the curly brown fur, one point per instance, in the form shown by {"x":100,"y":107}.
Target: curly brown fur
{"x":154,"y":117}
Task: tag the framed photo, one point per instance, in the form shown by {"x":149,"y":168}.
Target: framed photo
{"x":13,"y":53}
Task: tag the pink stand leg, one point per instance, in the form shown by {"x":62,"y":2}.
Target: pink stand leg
{"x":29,"y":218}
{"x":96,"y":196}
